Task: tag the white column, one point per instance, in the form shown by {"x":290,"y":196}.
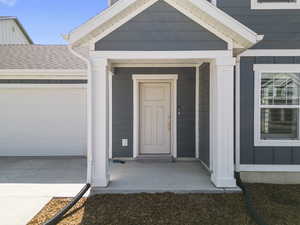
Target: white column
{"x":99,"y":121}
{"x":223,"y":123}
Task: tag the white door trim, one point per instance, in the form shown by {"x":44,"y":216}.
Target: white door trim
{"x":137,"y":79}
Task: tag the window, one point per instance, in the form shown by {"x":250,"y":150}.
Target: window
{"x":275,"y":4}
{"x":277,"y":105}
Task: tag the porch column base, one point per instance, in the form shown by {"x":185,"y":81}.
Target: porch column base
{"x":101,"y":182}
{"x":223,"y":182}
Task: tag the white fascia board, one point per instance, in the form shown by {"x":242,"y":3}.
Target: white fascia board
{"x":228,"y":21}
{"x":269,"y":168}
{"x":38,"y":72}
{"x":96,"y":21}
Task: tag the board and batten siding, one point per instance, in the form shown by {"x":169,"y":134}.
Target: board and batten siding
{"x":204,"y":87}
{"x":10,"y":33}
{"x":279,"y":27}
{"x":248,"y":153}
{"x":161,"y":27}
{"x":122,"y":109}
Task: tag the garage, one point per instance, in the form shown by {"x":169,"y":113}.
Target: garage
{"x":42,"y":119}
{"x":43,"y":106}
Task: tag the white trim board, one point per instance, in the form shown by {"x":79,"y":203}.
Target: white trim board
{"x":114,"y":56}
{"x":271,"y":52}
{"x":137,"y":78}
{"x":269,"y":168}
{"x":42,"y":72}
{"x":275,"y":5}
{"x":24,"y":86}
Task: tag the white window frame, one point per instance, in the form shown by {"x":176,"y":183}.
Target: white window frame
{"x":258,"y":70}
{"x":275,"y":5}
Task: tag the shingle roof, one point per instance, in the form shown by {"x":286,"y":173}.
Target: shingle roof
{"x":38,"y":57}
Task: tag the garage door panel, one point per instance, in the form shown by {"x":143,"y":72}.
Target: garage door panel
{"x":42,"y":121}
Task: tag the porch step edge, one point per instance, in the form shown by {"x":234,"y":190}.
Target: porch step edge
{"x":155,"y":158}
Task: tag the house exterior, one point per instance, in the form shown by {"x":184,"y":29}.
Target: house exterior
{"x":12,"y":31}
{"x":215,"y":81}
{"x":209,"y":80}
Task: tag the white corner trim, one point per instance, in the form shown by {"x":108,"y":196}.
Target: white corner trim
{"x":137,"y":78}
{"x":237,"y":114}
{"x":197,"y":85}
{"x":271,"y":68}
{"x":275,"y":5}
{"x":271,"y":52}
{"x":43,"y":72}
{"x":269,"y":168}
{"x":110,"y":76}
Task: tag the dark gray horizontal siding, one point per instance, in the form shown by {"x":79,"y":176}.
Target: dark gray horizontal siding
{"x":122,"y":115}
{"x":280,"y":27}
{"x":35,"y":81}
{"x":160,"y":28}
{"x":249,"y":153}
{"x":204,"y":79}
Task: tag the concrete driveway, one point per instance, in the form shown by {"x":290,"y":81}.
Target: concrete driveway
{"x":28,"y":183}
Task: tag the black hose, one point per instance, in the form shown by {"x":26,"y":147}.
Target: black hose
{"x":248,"y":202}
{"x":59,"y":216}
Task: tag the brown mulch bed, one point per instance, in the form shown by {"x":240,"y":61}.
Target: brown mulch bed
{"x":278,"y":204}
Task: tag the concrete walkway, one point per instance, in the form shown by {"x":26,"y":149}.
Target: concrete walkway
{"x":28,"y":183}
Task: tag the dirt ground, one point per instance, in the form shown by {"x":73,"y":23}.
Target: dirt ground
{"x":278,"y":204}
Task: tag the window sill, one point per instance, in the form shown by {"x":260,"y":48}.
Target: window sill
{"x":276,"y":143}
{"x":256,"y":5}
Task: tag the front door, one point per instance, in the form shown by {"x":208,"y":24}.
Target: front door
{"x":155,"y":118}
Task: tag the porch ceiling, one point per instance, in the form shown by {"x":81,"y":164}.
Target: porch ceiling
{"x":204,"y":13}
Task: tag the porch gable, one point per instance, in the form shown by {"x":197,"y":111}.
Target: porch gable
{"x":160,"y":27}
{"x":205,"y":14}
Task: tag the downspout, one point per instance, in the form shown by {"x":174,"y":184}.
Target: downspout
{"x":89,"y":114}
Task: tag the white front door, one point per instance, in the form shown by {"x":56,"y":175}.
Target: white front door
{"x":155,"y":118}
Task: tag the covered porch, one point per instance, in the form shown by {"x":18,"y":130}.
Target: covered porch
{"x":158,"y":177}
{"x":187,"y":176}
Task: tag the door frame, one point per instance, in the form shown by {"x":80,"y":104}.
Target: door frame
{"x":144,"y":78}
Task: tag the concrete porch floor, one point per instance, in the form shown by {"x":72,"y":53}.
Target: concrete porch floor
{"x":157,"y":177}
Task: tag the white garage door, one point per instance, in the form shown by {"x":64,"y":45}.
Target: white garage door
{"x":42,"y":120}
